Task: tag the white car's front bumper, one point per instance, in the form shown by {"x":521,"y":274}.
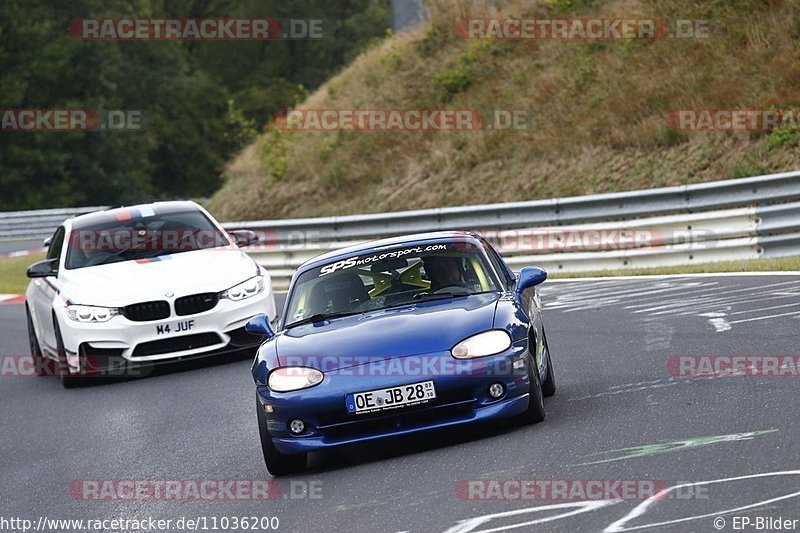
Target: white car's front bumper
{"x":220,"y":329}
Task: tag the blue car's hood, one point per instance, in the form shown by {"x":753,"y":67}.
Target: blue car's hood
{"x":427,"y":327}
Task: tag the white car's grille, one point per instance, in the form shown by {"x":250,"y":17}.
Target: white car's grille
{"x":196,"y":303}
{"x":146,"y":311}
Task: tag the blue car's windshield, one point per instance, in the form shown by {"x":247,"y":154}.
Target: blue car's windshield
{"x":391,"y":277}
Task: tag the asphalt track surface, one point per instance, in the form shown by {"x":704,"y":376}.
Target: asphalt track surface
{"x":611,"y":342}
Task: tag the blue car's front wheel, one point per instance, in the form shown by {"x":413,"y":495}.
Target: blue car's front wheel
{"x":278,"y":464}
{"x":535,"y":412}
{"x":549,"y":385}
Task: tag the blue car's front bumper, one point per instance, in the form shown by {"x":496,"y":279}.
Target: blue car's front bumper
{"x":461,"y":397}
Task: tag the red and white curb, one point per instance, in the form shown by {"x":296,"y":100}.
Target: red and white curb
{"x":18,"y":253}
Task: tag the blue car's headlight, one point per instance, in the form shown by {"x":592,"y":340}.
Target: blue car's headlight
{"x":483,"y":344}
{"x":289,"y":378}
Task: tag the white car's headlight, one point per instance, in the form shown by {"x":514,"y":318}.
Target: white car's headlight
{"x":244,"y":290}
{"x":482,"y":344}
{"x":90,"y":313}
{"x":289,"y":378}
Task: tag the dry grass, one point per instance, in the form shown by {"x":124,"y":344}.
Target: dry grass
{"x":597,"y":113}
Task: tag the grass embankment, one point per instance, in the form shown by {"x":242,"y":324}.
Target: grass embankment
{"x":596,"y":113}
{"x":12,"y":273}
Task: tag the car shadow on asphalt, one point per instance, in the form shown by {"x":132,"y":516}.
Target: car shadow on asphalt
{"x":394,"y":447}
{"x":144,"y":371}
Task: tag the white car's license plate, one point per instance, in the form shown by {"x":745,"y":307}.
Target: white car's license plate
{"x":391,"y":398}
{"x":178,"y":327}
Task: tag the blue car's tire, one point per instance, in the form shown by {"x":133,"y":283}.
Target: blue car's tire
{"x":535,"y":412}
{"x":278,"y":464}
{"x":549,"y":385}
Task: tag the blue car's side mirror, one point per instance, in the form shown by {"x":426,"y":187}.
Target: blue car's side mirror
{"x":530,"y":277}
{"x":259,"y":325}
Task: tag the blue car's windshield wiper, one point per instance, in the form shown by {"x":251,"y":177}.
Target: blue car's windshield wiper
{"x":319,"y":317}
{"x":425,"y":296}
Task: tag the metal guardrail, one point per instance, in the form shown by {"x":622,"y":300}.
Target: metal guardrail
{"x":759,"y":190}
{"x":28,"y":225}
{"x":724,"y":220}
{"x":731,"y":219}
{"x":741,"y":233}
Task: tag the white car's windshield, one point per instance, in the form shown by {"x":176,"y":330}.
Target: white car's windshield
{"x":388,"y":278}
{"x":141,"y":237}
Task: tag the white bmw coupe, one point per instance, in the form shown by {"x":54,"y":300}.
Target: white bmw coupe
{"x":132,"y":287}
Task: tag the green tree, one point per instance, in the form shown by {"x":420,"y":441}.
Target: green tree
{"x":200,"y":101}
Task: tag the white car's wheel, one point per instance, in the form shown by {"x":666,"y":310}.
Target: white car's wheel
{"x":67,"y":379}
{"x":43,"y":366}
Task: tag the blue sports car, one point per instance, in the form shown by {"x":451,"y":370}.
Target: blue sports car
{"x":398,"y":336}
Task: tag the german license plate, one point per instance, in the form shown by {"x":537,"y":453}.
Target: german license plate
{"x":383,"y":399}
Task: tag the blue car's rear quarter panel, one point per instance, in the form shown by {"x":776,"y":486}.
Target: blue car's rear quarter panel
{"x":461,"y":397}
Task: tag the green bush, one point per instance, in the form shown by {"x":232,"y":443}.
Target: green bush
{"x":453,"y":81}
{"x":782,"y":139}
{"x":672,"y":137}
{"x":747,"y":169}
{"x":272,"y":154}
{"x":561,"y":6}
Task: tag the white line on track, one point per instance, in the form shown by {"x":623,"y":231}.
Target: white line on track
{"x":696,"y":308}
{"x":766,"y":308}
{"x":661,"y":497}
{"x":680,"y":295}
{"x":765,"y":317}
{"x":723,"y":297}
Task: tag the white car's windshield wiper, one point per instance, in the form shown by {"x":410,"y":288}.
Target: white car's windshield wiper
{"x":319,"y":317}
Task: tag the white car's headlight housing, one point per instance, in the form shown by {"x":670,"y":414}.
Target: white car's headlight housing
{"x":291,"y":378}
{"x":90,"y":313}
{"x":487,"y":343}
{"x":244,"y":290}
